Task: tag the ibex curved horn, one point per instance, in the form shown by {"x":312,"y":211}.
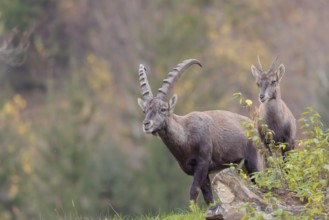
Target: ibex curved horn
{"x":273,"y":64}
{"x":144,"y":83}
{"x":259,"y":64}
{"x":173,"y":76}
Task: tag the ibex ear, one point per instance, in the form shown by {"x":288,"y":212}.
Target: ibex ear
{"x":141,"y":104}
{"x":280,"y":71}
{"x":172,"y":103}
{"x":255,"y":72}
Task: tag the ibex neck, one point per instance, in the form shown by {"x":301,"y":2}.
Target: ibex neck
{"x":278,"y":94}
{"x":173,"y":134}
{"x":273,"y":109}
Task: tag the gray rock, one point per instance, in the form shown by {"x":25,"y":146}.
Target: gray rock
{"x":233,"y":192}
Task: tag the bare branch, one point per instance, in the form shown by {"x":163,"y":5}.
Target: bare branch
{"x":11,"y":52}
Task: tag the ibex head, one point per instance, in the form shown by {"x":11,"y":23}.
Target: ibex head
{"x":157,"y":109}
{"x":268,"y":81}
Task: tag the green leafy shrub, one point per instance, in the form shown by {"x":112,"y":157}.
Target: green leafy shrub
{"x":304,"y":172}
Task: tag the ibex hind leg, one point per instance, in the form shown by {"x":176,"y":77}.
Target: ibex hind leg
{"x":206,"y":191}
{"x":251,"y":162}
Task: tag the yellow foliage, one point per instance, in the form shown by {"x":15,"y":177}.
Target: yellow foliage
{"x":98,"y":75}
{"x":9,"y":109}
{"x":11,"y":118}
{"x":13,"y":191}
{"x":248,"y":102}
{"x":12,"y":107}
{"x":13,"y":188}
{"x":27,"y":168}
{"x":26,"y":163}
{"x":23,"y":128}
{"x":19,"y":102}
{"x":18,"y":141}
{"x":227,"y":42}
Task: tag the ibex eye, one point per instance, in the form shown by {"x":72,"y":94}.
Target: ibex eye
{"x":163,"y":109}
{"x":273,"y":82}
{"x":258,"y":84}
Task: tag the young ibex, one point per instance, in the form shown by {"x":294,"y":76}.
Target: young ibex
{"x":201,"y":142}
{"x":272,"y":110}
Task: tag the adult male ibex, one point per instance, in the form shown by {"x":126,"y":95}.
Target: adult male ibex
{"x":201,"y":142}
{"x":272,"y":110}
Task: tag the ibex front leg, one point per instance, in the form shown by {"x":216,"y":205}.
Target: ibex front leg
{"x":199,"y":177}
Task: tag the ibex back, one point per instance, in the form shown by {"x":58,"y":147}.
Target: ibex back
{"x":273,"y":111}
{"x":201,"y":142}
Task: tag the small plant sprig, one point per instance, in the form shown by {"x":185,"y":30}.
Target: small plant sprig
{"x":250,"y":127}
{"x":245,"y":103}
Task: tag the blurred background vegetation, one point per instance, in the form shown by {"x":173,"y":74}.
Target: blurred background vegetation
{"x":71,"y":138}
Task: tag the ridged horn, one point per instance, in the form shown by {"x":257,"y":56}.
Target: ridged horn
{"x":144,"y":83}
{"x":173,"y":76}
{"x":260,"y":65}
{"x":273,"y":64}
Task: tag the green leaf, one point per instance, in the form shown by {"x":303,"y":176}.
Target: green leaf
{"x":248,"y":102}
{"x":237,"y":95}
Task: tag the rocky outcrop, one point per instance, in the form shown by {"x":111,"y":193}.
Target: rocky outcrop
{"x":234,"y":193}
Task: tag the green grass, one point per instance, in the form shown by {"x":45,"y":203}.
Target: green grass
{"x":171,"y":216}
{"x":194,"y":213}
